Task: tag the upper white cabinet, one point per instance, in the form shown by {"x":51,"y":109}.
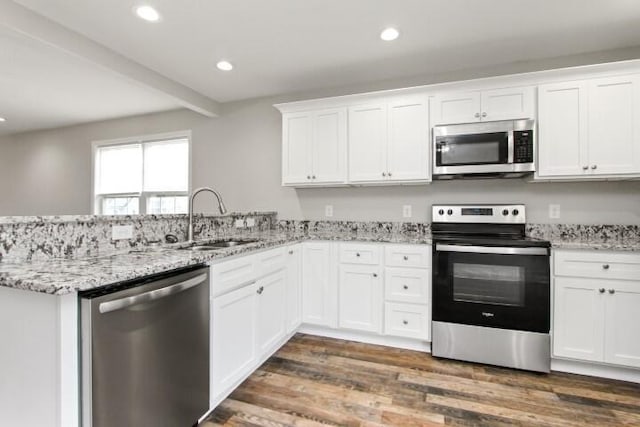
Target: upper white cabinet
{"x":389,"y":141}
{"x":314,"y":148}
{"x":589,"y":128}
{"x":490,"y":105}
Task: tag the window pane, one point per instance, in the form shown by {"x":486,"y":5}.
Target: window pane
{"x":167,"y":204}
{"x":120,"y":206}
{"x":119,"y":169}
{"x":166,"y":165}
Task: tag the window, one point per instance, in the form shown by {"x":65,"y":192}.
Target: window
{"x":148,"y":175}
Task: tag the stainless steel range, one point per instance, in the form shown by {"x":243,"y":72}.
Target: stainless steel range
{"x":491,"y":287}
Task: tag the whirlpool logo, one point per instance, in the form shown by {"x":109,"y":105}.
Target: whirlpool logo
{"x":487,"y":314}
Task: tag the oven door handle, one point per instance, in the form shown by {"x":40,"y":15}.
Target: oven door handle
{"x":492,"y":250}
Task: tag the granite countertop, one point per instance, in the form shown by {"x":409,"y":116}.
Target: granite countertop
{"x":63,"y":276}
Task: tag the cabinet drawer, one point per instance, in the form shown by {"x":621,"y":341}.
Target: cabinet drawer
{"x":358,"y":253}
{"x":229,"y":275}
{"x":408,"y":256}
{"x":270,"y":261}
{"x":406,"y":320}
{"x":597,"y":265}
{"x":407,"y":285}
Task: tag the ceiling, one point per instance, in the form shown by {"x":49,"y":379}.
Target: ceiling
{"x":285,"y":46}
{"x":277,"y":47}
{"x":42,"y":87}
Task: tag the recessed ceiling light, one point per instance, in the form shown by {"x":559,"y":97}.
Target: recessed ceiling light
{"x":147,"y":13}
{"x":2,"y":119}
{"x":389,"y":34}
{"x":224,"y":65}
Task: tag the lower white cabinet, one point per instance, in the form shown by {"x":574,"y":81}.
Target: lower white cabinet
{"x":597,"y":319}
{"x":250,"y":322}
{"x":360,"y":298}
{"x":318,"y":284}
{"x":294,"y":287}
{"x":406,"y":320}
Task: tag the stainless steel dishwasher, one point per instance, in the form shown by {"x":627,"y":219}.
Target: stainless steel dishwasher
{"x":145,"y":351}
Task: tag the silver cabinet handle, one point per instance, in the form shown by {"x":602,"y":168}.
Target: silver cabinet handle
{"x":405,"y":322}
{"x":313,"y":177}
{"x":260,"y":290}
{"x":594,"y":166}
{"x":308,"y":176}
{"x":389,"y":173}
{"x":290,"y":252}
{"x":405,"y":287}
{"x":601,"y":290}
{"x":406,"y":258}
{"x":605,"y":266}
{"x":484,"y":114}
{"x":612,"y":291}
{"x":492,"y":250}
{"x":358,"y":254}
{"x":476,"y":115}
{"x":375,"y":274}
{"x":384,"y":174}
{"x":119,"y":304}
{"x":585,"y":167}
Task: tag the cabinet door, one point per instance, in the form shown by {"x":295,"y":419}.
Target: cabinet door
{"x":578,"y":319}
{"x":297,"y":146}
{"x":622,"y":323}
{"x":562,"y":124}
{"x":408,"y":146}
{"x":316,"y":292}
{"x":360,"y":298}
{"x":368,"y":143}
{"x":508,"y":104}
{"x":614,"y":125}
{"x":329,"y":160}
{"x":232,"y":338}
{"x":451,"y":108}
{"x":294,"y":288}
{"x":270,"y":319}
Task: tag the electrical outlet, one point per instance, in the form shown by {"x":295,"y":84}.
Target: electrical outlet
{"x":239,"y":223}
{"x":121,"y":232}
{"x":554,"y":211}
{"x":328,"y":211}
{"x":250,"y":222}
{"x":406,"y":211}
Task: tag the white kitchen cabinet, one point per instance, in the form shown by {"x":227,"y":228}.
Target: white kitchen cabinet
{"x":489,"y":105}
{"x":318,"y":291}
{"x":360,"y":298}
{"x":589,"y":128}
{"x":596,"y":315}
{"x":314,"y":148}
{"x":271,"y":309}
{"x":233,"y":338}
{"x":389,"y":141}
{"x":294,"y":287}
{"x":406,"y":320}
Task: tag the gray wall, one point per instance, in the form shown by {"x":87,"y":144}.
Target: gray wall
{"x":49,"y":172}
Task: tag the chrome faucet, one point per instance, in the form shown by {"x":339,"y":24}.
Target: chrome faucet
{"x":221,"y":207}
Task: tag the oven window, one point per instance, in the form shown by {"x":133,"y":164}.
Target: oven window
{"x":489,"y":284}
{"x":490,"y":148}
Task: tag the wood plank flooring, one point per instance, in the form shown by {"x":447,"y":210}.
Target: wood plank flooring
{"x":315,"y":381}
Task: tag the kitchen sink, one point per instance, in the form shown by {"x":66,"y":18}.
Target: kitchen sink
{"x":218,"y":244}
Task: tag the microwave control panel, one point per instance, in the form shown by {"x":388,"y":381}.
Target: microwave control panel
{"x":523,"y":146}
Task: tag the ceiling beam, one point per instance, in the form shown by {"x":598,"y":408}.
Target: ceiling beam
{"x":20,"y":19}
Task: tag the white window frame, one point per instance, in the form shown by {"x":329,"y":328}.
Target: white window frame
{"x":96,"y":199}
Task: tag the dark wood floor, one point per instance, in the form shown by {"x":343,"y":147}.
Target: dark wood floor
{"x":316,"y":381}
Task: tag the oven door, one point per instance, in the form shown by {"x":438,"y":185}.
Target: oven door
{"x":499,"y":287}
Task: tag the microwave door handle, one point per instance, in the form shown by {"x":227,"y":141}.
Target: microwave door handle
{"x":510,"y":147}
{"x":492,"y":250}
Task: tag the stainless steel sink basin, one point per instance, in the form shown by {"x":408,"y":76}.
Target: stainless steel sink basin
{"x":217,"y":244}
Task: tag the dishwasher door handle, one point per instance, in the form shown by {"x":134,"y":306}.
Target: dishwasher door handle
{"x":119,"y":304}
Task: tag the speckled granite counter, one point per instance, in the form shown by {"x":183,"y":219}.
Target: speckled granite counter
{"x":597,"y":244}
{"x":63,"y":276}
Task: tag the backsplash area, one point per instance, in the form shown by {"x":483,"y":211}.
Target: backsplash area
{"x":44,"y":237}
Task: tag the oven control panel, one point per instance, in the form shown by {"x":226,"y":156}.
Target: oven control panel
{"x":490,"y":214}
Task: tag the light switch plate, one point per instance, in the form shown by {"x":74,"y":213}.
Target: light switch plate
{"x":239,"y":223}
{"x":121,"y":232}
{"x":406,"y":211}
{"x":328,"y":211}
{"x":250,"y":222}
{"x":554,"y":211}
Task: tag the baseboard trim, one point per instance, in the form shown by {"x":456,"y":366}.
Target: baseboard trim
{"x":596,"y":370}
{"x":367,"y":338}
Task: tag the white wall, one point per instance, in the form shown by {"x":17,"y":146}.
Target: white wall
{"x":239,"y":154}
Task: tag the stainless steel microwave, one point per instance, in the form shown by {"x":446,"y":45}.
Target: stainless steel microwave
{"x":484,"y":150}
